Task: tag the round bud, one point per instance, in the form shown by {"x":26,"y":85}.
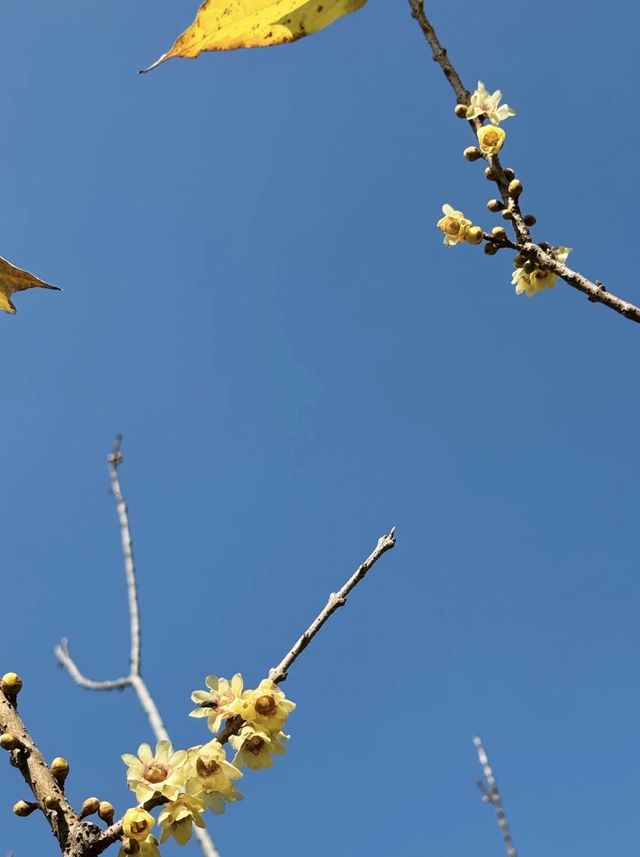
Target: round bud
{"x":474,"y":235}
{"x":89,"y":807}
{"x":509,"y":173}
{"x":495,"y":205}
{"x":52,"y":802}
{"x":519,"y":260}
{"x":472,"y":154}
{"x":60,"y":769}
{"x":8,"y":742}
{"x":515,"y":187}
{"x":490,"y":173}
{"x":106,"y":811}
{"x":23,"y":808}
{"x":461,"y":111}
{"x":529,"y":220}
{"x":529,"y":267}
{"x":11,"y":684}
{"x":491,"y":249}
{"x":507,"y":215}
{"x":499,"y":233}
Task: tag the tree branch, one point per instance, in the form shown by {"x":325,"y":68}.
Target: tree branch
{"x":491,"y":794}
{"x":534,"y":251}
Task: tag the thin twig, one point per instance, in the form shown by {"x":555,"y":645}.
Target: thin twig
{"x":594,"y":290}
{"x":134,"y":679}
{"x":491,"y":794}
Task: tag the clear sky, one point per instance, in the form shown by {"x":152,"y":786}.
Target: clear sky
{"x":256,"y":296}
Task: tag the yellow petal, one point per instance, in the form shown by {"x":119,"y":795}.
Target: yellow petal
{"x":224,"y":25}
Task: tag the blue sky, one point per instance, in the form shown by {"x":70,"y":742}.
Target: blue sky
{"x":256,"y":296}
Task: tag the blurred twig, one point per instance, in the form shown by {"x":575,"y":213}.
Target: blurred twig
{"x":491,"y":794}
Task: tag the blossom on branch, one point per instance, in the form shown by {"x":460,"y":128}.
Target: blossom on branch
{"x":214,"y":703}
{"x":212,"y":777}
{"x":454,"y":225}
{"x":137,"y":823}
{"x":530,"y":280}
{"x":162,"y":773}
{"x":482,"y":105}
{"x":490,"y":139}
{"x":178,"y":817}
{"x":266,"y":707}
{"x":255,"y":749}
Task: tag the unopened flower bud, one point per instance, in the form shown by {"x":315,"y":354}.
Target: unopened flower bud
{"x":509,"y":174}
{"x":60,"y":769}
{"x":490,"y":249}
{"x":89,"y":807}
{"x":489,"y":173}
{"x":23,"y":808}
{"x":106,"y":811}
{"x":52,"y":802}
{"x":529,"y":220}
{"x":8,"y":742}
{"x":507,"y":214}
{"x":519,"y":260}
{"x":472,"y":154}
{"x":529,"y":267}
{"x":11,"y":684}
{"x":474,"y":235}
{"x":499,"y":233}
{"x":461,"y":111}
{"x":515,"y":187}
{"x":495,"y":205}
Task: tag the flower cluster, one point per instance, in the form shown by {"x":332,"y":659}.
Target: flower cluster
{"x":530,"y":280}
{"x":189,"y":782}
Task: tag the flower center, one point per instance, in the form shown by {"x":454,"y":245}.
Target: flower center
{"x":490,"y":138}
{"x":155,"y":772}
{"x":207,"y":769}
{"x":138,"y":827}
{"x":254,"y":745}
{"x":451,"y":226}
{"x":265,"y":705}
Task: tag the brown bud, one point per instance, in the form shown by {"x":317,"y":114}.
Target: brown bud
{"x":529,"y":267}
{"x":472,"y":154}
{"x":461,"y":111}
{"x":52,"y":802}
{"x":23,"y":808}
{"x":89,"y":807}
{"x":515,"y":187}
{"x":519,"y":260}
{"x":499,"y":233}
{"x":60,"y":769}
{"x":495,"y":205}
{"x":509,"y":173}
{"x":490,"y":173}
{"x":507,"y":215}
{"x":490,"y":249}
{"x":106,"y":811}
{"x":11,"y":685}
{"x":529,"y":220}
{"x":8,"y":742}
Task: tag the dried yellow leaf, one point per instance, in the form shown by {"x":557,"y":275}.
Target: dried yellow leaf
{"x":225,"y":25}
{"x":14,"y":279}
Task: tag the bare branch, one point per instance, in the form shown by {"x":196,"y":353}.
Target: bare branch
{"x":537,"y":252}
{"x":491,"y":794}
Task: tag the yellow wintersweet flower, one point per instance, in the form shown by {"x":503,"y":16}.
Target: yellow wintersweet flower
{"x":266,"y":707}
{"x":178,"y":817}
{"x":482,"y":104}
{"x":538,"y":279}
{"x":162,"y":773}
{"x":137,"y":823}
{"x":148,"y":848}
{"x":255,"y":748}
{"x":211,"y":778}
{"x":454,"y":225}
{"x":214,"y":703}
{"x":490,"y":139}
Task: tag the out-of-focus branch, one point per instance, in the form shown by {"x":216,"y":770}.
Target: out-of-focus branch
{"x":531,"y":250}
{"x":134,"y":679}
{"x":491,"y":794}
{"x":279,"y":673}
